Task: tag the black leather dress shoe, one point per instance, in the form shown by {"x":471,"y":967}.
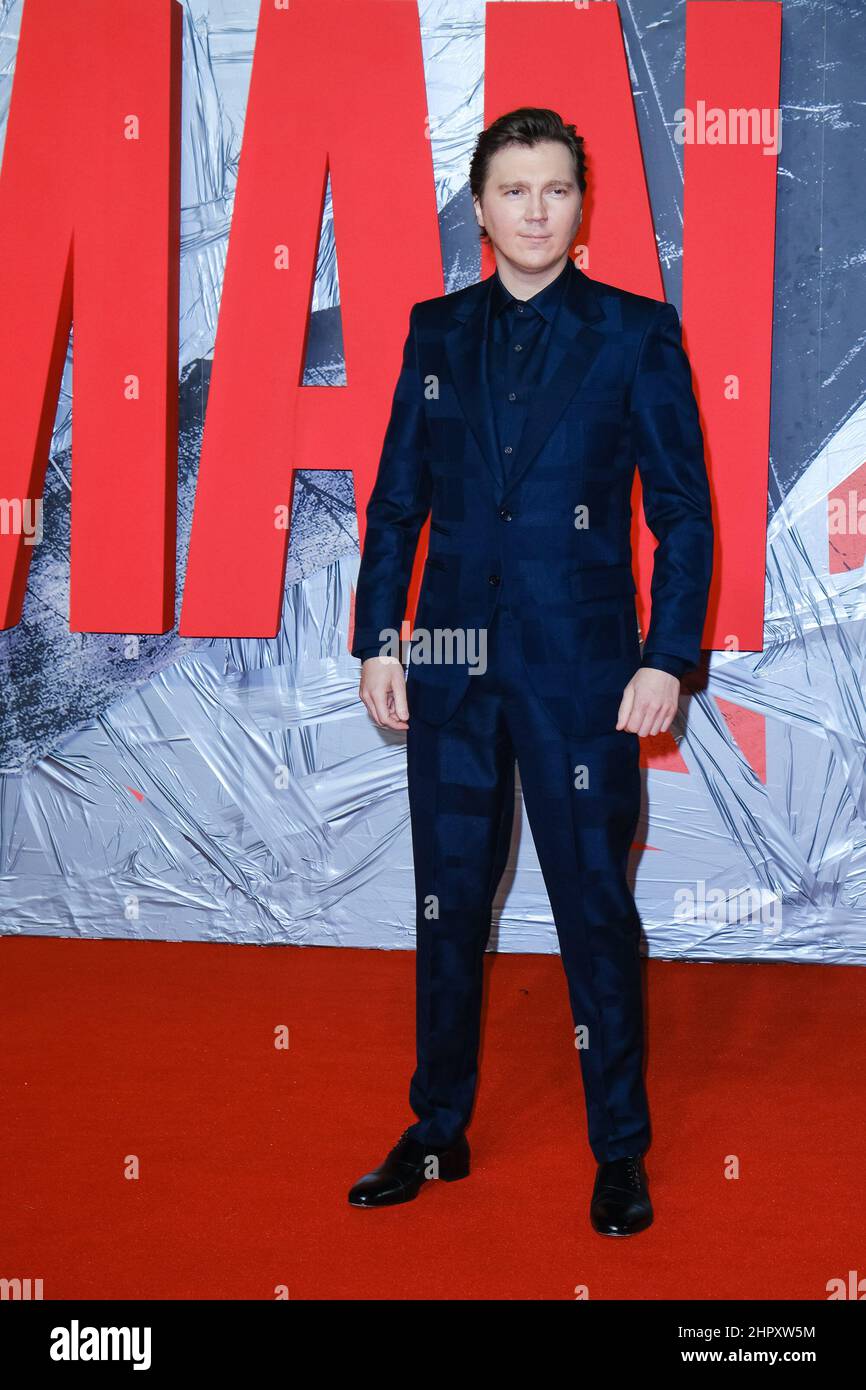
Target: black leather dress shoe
{"x":406,"y":1169}
{"x":621,"y":1203}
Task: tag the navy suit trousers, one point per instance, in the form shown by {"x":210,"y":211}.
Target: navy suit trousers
{"x":582,"y":797}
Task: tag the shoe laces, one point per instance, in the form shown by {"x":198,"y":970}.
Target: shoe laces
{"x":632,"y":1168}
{"x":400,"y":1140}
{"x":627,"y":1174}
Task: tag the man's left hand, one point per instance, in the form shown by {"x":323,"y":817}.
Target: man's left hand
{"x":649,"y":702}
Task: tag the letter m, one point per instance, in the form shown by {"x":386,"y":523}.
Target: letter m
{"x":89,"y":241}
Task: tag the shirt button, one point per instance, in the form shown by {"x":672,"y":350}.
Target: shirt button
{"x":512,"y":396}
{"x":508,"y":449}
{"x":520,"y":308}
{"x":517,"y":347}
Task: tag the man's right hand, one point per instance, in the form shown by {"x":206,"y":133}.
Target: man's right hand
{"x":383,"y":691}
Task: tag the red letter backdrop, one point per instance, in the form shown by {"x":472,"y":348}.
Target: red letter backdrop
{"x":89,"y":231}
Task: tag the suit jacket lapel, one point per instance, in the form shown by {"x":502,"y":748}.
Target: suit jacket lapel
{"x":571,"y":351}
{"x":466,"y":347}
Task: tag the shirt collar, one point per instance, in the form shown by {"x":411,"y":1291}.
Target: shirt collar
{"x":545,"y":301}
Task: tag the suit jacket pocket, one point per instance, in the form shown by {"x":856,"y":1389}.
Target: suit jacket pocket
{"x":602,"y":581}
{"x":597,"y":398}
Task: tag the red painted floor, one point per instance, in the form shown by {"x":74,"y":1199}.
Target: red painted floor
{"x":162,"y":1055}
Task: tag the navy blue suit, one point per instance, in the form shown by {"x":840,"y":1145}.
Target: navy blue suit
{"x":517,"y":428}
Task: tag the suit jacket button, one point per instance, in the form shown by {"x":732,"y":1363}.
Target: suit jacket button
{"x":505,"y":514}
{"x":493,"y":579}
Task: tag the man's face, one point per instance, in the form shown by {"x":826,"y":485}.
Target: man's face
{"x":531,"y":204}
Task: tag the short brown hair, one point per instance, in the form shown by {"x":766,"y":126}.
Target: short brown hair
{"x":525,"y":126}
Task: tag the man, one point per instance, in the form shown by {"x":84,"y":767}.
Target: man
{"x":523,"y":406}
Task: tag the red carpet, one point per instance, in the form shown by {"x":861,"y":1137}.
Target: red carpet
{"x":166,"y":1052}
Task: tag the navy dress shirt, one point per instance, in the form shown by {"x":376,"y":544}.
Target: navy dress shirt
{"x":518,"y":334}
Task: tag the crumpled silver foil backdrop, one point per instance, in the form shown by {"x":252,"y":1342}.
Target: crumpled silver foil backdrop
{"x":237,"y":790}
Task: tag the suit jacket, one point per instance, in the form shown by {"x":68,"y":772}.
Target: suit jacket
{"x":551,"y":535}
